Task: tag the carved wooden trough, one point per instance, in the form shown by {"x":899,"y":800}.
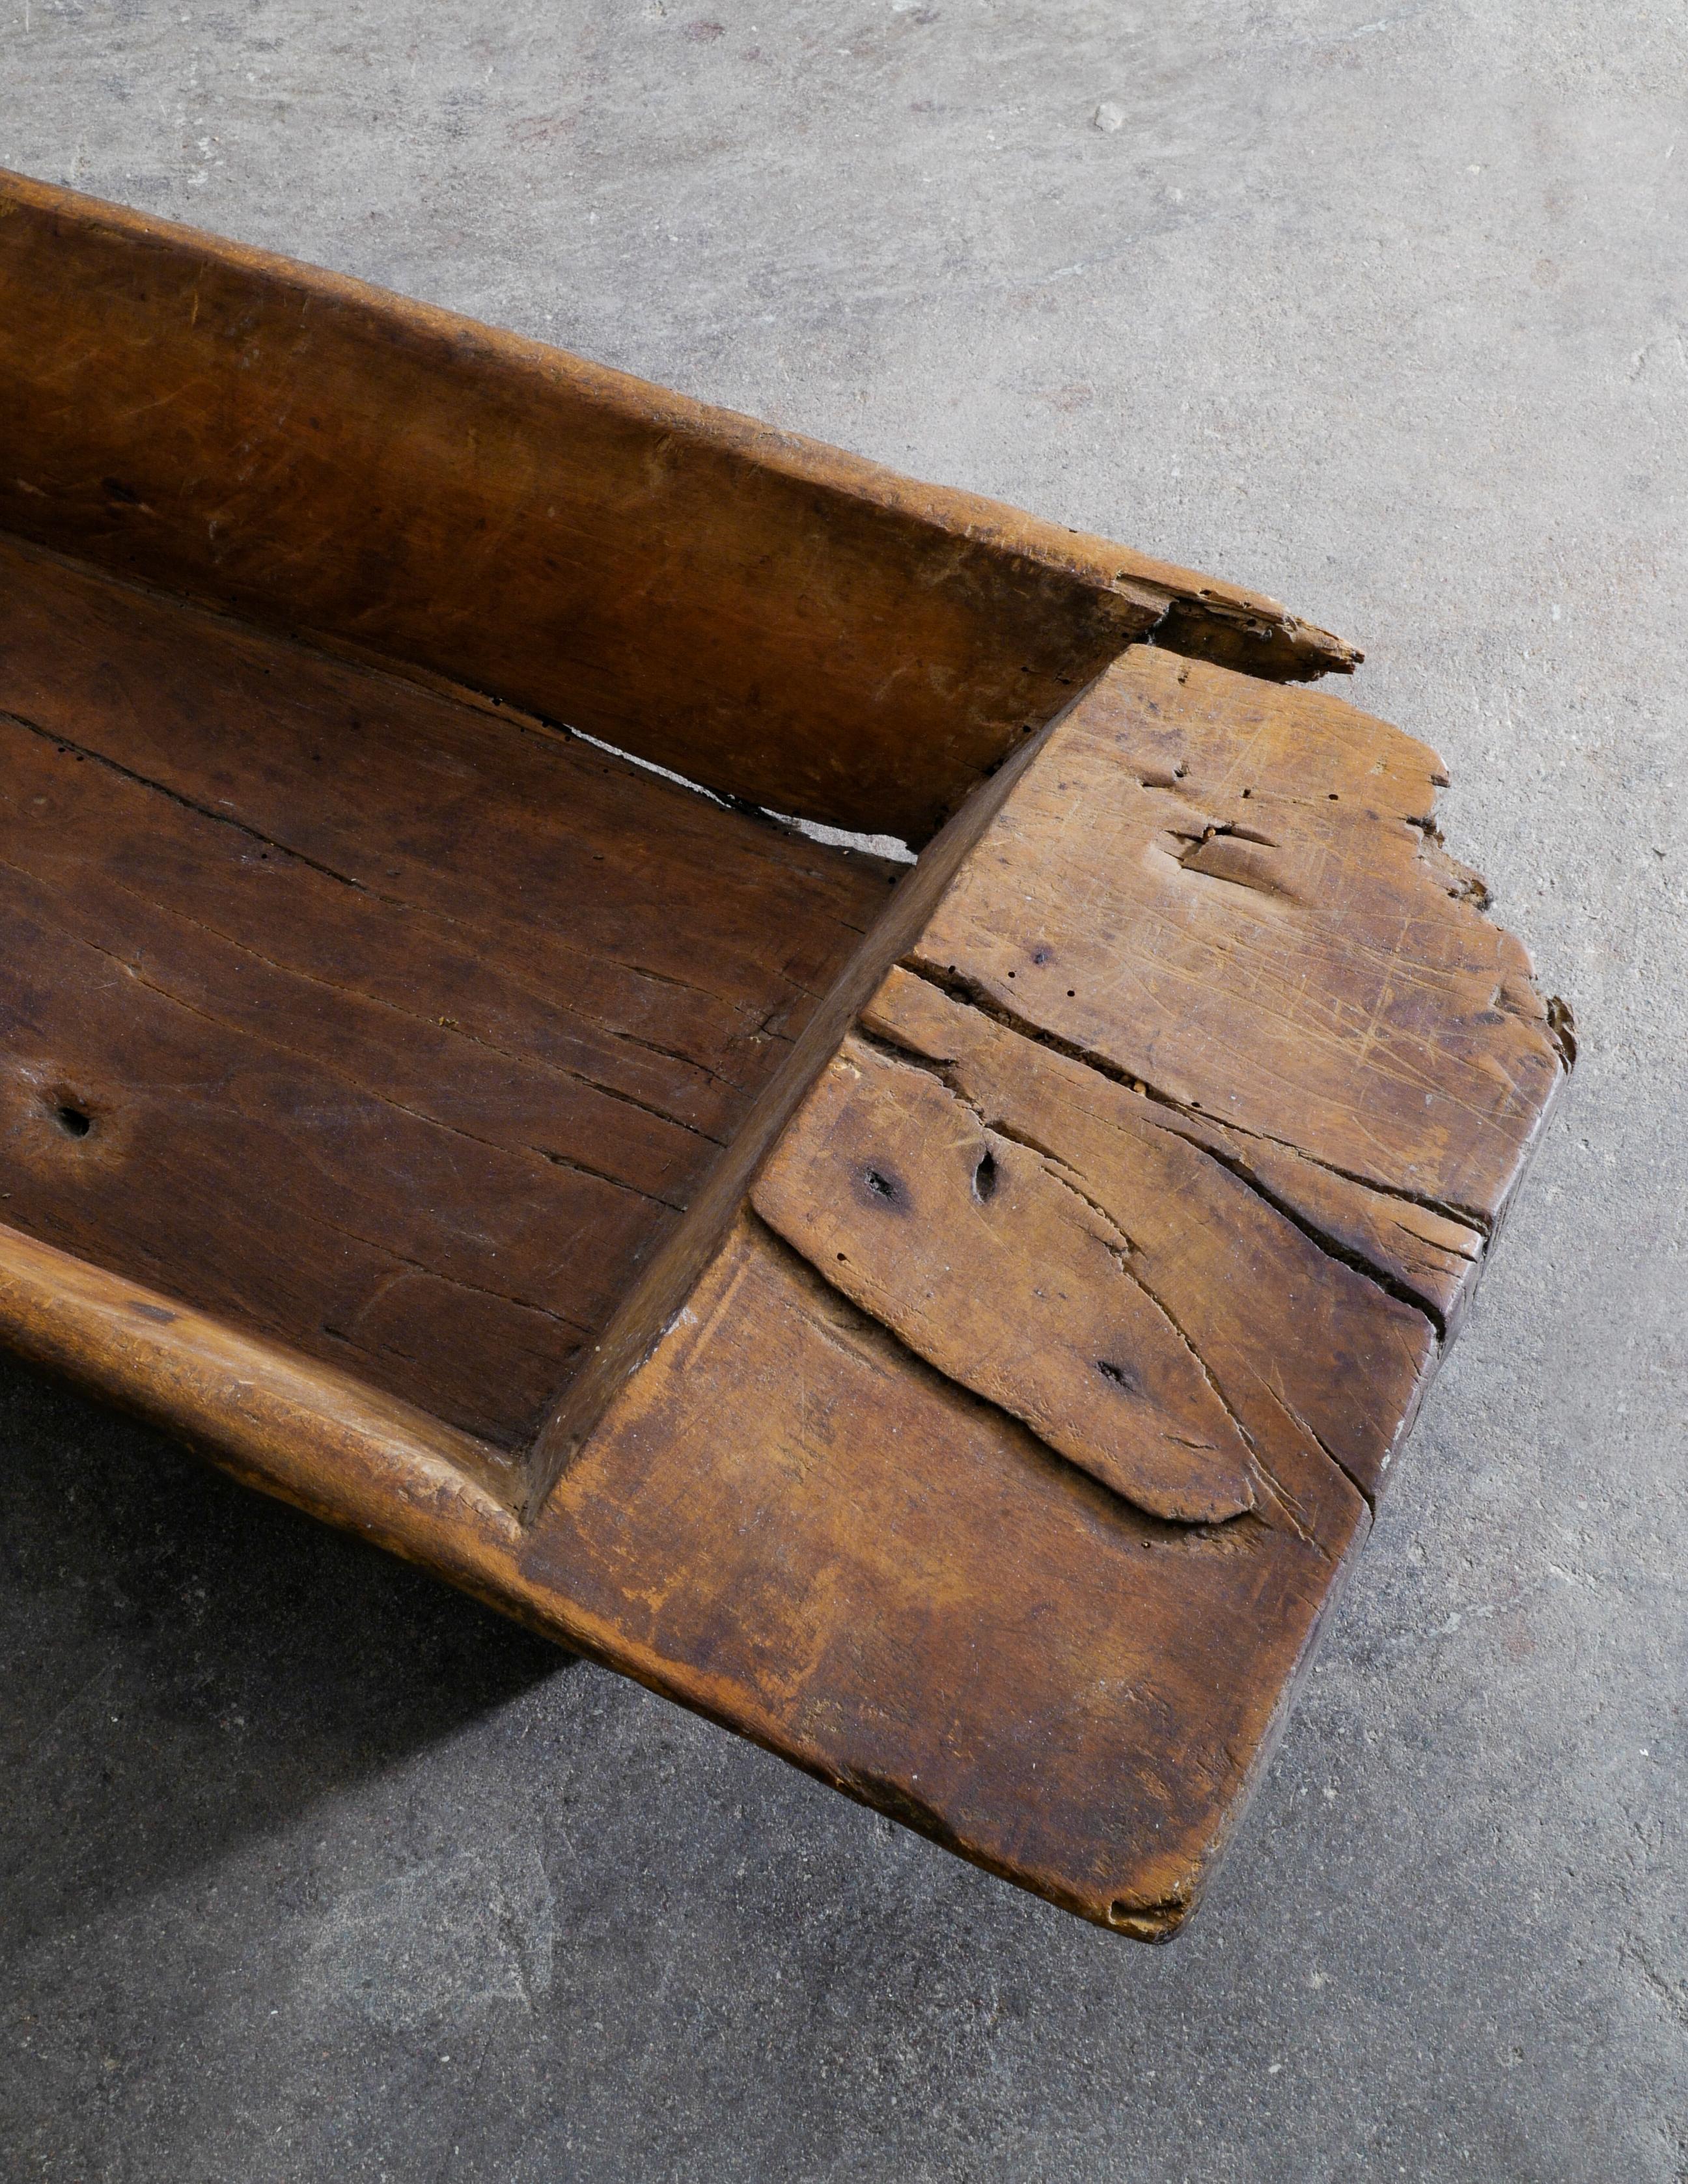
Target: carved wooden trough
{"x":947,"y":1323}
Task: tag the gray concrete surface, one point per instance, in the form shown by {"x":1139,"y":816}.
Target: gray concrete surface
{"x":313,"y":1870}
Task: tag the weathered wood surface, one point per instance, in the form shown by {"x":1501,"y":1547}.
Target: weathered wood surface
{"x":1151,"y":1085}
{"x":846,"y":1556}
{"x":456,"y":1013}
{"x":946,"y":1221}
{"x":1002,"y":1463}
{"x":1232,"y":895}
{"x":769,"y":616}
{"x":952,"y":1332}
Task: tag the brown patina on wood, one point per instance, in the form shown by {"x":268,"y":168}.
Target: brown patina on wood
{"x":948,"y":1323}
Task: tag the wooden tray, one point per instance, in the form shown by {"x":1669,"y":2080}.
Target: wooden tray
{"x":947,"y":1323}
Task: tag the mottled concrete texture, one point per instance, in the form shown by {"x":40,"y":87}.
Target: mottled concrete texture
{"x":315,"y":1871}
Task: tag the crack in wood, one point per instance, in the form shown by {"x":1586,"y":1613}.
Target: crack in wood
{"x":1028,"y":1335}
{"x":959,"y":985}
{"x":474,"y":933}
{"x":1063,"y":1171}
{"x":1332,"y":1246}
{"x":870,"y":1330}
{"x":1001,"y":1077}
{"x":454,"y":1030}
{"x":1194,"y":1135}
{"x":65,"y":744}
{"x":386,"y":1098}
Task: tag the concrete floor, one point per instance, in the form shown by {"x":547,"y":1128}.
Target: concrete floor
{"x":315,"y":1871}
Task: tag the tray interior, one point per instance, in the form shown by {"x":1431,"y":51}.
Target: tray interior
{"x":366,"y":1015}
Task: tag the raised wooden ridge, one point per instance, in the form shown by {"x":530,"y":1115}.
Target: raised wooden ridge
{"x":950,"y":1323}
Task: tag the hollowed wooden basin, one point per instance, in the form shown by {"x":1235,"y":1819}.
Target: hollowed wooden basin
{"x":947,"y":1321}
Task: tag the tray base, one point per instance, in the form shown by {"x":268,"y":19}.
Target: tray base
{"x":387,"y":1024}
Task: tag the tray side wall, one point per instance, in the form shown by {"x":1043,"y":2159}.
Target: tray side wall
{"x":777,"y":619}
